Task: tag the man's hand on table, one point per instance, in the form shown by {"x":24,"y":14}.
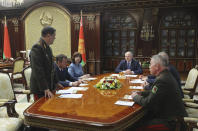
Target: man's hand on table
{"x":48,"y":93}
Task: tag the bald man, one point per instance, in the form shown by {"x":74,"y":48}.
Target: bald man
{"x":129,"y":65}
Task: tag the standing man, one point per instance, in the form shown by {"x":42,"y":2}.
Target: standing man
{"x":164,"y":102}
{"x":129,"y":65}
{"x":65,"y":79}
{"x":43,"y":79}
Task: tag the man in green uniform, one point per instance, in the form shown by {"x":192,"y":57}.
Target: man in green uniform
{"x":164,"y":102}
{"x":43,"y":79}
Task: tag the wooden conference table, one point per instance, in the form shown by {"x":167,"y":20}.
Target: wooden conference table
{"x":94,"y":111}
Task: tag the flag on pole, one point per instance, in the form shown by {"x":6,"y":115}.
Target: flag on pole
{"x":6,"y":46}
{"x":81,"y":43}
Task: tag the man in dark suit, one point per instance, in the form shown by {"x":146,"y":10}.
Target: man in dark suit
{"x":129,"y":65}
{"x":65,"y":79}
{"x":43,"y":80}
{"x":164,"y":102}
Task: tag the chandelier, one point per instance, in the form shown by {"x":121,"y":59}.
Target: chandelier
{"x":11,"y":3}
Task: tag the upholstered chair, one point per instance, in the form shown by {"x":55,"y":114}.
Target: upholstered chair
{"x":27,"y":73}
{"x":10,"y":123}
{"x":17,"y":73}
{"x":7,"y":93}
{"x":191,"y":83}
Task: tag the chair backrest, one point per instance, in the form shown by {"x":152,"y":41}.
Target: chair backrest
{"x":27,"y":73}
{"x":6,"y":90}
{"x":18,"y":65}
{"x":192,"y":79}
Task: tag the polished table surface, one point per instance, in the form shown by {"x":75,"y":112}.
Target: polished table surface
{"x":6,"y":65}
{"x":96,"y":110}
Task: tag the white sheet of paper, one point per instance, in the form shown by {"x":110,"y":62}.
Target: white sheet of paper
{"x":71,"y":96}
{"x":124,"y":103}
{"x":137,"y":81}
{"x":66,"y":91}
{"x":78,"y":88}
{"x":129,"y":97}
{"x":91,"y":78}
{"x":131,"y":75}
{"x":82,"y":84}
{"x":115,"y":75}
{"x":136,"y":87}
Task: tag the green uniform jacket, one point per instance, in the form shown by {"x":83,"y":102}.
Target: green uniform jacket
{"x":164,"y":100}
{"x":41,"y":61}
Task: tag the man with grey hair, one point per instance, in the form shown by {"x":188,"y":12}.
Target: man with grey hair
{"x":164,"y":102}
{"x":129,"y":65}
{"x":172,"y":70}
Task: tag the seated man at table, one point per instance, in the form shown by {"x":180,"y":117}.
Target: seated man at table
{"x":151,"y":79}
{"x":129,"y":65}
{"x":164,"y":102}
{"x":65,"y":79}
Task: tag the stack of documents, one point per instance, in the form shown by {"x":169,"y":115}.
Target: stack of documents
{"x":66,"y":91}
{"x":124,"y":103}
{"x":136,"y":87}
{"x":71,"y":95}
{"x":117,"y":75}
{"x":136,"y":81}
{"x":128,"y":97}
{"x":82,"y":84}
{"x":131,"y":75}
{"x":91,"y":79}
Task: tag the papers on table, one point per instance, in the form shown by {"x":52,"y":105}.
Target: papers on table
{"x":71,"y":90}
{"x":82,"y":84}
{"x":66,"y":91}
{"x":91,"y":79}
{"x":124,"y":103}
{"x":129,"y":97}
{"x":131,"y":75}
{"x":136,"y":87}
{"x":115,"y":75}
{"x":78,"y":88}
{"x":137,"y":81}
{"x":71,"y":95}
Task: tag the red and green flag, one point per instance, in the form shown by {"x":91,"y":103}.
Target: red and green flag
{"x":6,"y":46}
{"x":81,"y":43}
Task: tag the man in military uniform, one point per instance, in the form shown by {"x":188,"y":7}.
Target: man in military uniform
{"x":43,"y":78}
{"x":164,"y":102}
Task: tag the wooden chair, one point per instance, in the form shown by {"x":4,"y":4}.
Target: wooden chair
{"x":7,"y":93}
{"x":191,"y":83}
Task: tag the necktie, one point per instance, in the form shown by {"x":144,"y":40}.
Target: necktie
{"x":128,"y":65}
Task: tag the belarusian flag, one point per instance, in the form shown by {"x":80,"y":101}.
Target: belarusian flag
{"x":81,"y":43}
{"x":6,"y":46}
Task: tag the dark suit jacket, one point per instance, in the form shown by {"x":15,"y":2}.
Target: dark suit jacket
{"x":41,"y":62}
{"x":64,"y":77}
{"x":164,"y":100}
{"x":135,"y":66}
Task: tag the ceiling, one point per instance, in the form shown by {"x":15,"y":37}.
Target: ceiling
{"x":28,"y":3}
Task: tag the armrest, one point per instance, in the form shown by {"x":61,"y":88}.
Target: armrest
{"x":191,"y":119}
{"x":22,"y":92}
{"x":10,"y":104}
{"x":4,"y":100}
{"x":190,"y":100}
{"x":191,"y":105}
